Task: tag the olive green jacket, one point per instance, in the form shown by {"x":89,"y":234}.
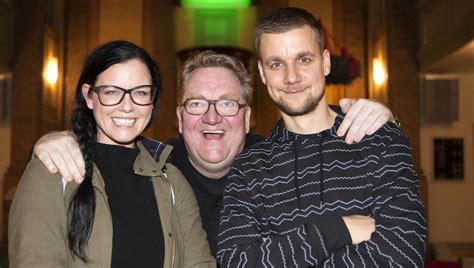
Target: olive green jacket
{"x":38,"y":221}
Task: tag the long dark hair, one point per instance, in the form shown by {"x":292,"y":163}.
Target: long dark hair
{"x":82,"y":206}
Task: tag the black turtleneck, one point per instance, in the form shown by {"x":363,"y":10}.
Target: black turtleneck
{"x":137,"y":233}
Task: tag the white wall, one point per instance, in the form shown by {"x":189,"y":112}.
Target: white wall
{"x":451,"y":203}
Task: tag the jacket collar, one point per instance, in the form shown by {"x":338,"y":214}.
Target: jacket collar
{"x":147,"y":164}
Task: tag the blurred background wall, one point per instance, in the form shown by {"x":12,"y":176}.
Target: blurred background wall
{"x":417,"y":57}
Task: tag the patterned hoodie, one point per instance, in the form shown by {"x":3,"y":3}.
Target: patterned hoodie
{"x":294,"y":189}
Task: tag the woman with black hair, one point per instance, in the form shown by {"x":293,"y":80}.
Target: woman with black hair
{"x":133,"y":209}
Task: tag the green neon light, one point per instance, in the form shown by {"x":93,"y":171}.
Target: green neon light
{"x":216,"y":3}
{"x":215,"y":27}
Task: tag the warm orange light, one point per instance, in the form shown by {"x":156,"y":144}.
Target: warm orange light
{"x":51,"y":71}
{"x":378,"y":71}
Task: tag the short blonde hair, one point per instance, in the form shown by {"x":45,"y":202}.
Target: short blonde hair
{"x":210,"y":58}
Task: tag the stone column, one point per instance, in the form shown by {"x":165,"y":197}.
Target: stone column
{"x":81,"y":38}
{"x":30,"y":17}
{"x":158,"y":40}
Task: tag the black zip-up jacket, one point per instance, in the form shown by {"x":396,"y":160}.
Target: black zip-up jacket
{"x":294,"y":189}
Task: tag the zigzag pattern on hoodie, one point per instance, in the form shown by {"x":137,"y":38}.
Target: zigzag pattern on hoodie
{"x":294,"y":189}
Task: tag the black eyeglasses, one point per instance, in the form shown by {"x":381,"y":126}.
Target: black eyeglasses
{"x":224,"y":107}
{"x":113,"y":95}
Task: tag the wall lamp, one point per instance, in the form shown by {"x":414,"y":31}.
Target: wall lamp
{"x":51,"y":71}
{"x":378,"y":71}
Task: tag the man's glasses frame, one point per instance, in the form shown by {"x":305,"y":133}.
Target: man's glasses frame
{"x":217,"y":106}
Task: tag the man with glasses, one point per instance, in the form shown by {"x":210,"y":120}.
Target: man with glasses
{"x":214,"y":118}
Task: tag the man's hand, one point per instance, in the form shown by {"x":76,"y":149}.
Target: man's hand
{"x":360,"y":227}
{"x":363,"y":117}
{"x":60,"y":151}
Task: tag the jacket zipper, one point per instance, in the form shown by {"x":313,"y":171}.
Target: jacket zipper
{"x":172,"y":199}
{"x":109,"y":214}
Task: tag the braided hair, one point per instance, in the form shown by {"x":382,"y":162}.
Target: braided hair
{"x":82,"y":206}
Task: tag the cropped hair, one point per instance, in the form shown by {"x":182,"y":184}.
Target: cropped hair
{"x":210,"y":58}
{"x":286,"y":19}
{"x":82,"y":206}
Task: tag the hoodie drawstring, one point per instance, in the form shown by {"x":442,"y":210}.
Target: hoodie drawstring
{"x":295,"y":174}
{"x":321,"y":171}
{"x":321,"y":168}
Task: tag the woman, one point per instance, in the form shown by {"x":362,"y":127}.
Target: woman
{"x":130,"y":211}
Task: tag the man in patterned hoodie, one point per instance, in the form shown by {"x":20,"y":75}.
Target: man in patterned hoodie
{"x":305,"y":198}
